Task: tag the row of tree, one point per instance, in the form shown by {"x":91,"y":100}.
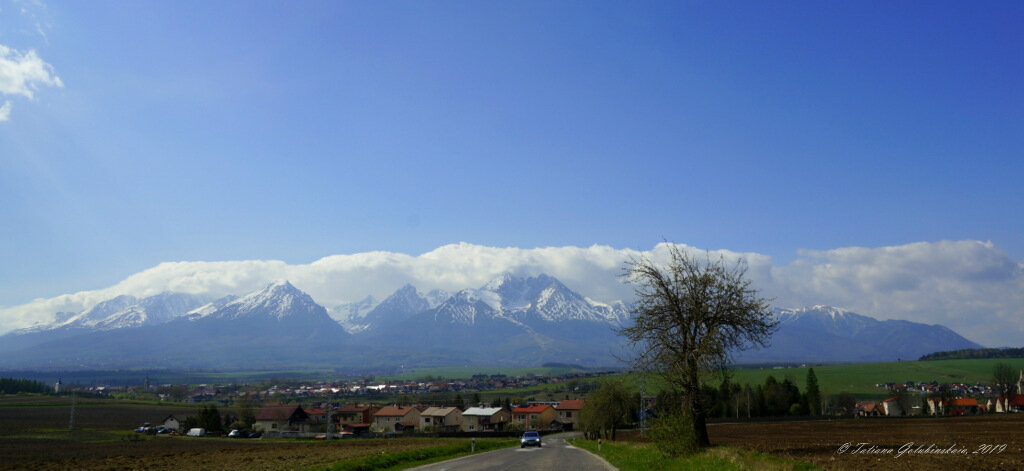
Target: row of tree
{"x":15,"y":386}
{"x":771,"y":399}
{"x":613,"y":405}
{"x":975,"y":353}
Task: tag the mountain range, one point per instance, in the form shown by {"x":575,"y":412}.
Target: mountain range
{"x":511,"y":320}
{"x":831,"y":334}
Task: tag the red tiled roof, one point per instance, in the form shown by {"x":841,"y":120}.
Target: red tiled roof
{"x":570,"y":404}
{"x":535,"y":409}
{"x":353,"y":408}
{"x":963,"y":402}
{"x":278,"y":412}
{"x":315,"y":411}
{"x":394,"y":411}
{"x":867,"y":406}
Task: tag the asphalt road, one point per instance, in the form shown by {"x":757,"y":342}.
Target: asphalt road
{"x":555,"y":455}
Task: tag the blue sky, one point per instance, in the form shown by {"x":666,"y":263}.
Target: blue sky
{"x":291,"y":130}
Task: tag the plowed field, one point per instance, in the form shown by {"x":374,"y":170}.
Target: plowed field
{"x":949,"y":443}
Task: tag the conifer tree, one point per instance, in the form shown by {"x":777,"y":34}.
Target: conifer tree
{"x":813,"y":394}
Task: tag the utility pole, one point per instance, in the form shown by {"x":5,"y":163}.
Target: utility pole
{"x":748,"y":401}
{"x":643,"y":411}
{"x":74,"y":400}
{"x":330,"y":421}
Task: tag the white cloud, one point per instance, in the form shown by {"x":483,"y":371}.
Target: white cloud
{"x":22,"y":74}
{"x":969,"y":286}
{"x":5,"y":111}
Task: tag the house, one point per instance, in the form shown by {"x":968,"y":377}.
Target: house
{"x":172,"y":423}
{"x":568,"y":413}
{"x":534,"y":416}
{"x":354,"y":414}
{"x":891,"y":407}
{"x":391,"y":419}
{"x":1014,"y":403}
{"x":282,"y":418}
{"x":441,"y":419}
{"x":868,"y":409}
{"x":485,"y":419}
{"x":317,"y":416}
{"x":964,"y":406}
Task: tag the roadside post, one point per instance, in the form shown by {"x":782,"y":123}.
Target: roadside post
{"x":472,"y":446}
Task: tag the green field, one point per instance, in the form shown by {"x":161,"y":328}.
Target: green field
{"x":860,"y":379}
{"x":465,"y":372}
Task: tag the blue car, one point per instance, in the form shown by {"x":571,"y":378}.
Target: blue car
{"x":530,"y":439}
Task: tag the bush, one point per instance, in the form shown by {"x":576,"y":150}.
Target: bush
{"x":673,"y":434}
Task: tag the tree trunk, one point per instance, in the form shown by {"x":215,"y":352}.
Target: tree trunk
{"x":700,"y":425}
{"x":700,"y":429}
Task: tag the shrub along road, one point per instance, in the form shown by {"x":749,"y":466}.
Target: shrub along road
{"x":555,"y":455}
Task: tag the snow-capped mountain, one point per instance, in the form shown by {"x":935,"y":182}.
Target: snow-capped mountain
{"x":507,"y":320}
{"x":125,"y":311}
{"x":526,"y":300}
{"x":98,"y":313}
{"x":466,"y":307}
{"x":158,"y":309}
{"x":399,"y":306}
{"x":278,"y":324}
{"x":351,"y":315}
{"x":122,"y":313}
{"x":279,"y":301}
{"x":510,"y":320}
{"x":544,"y":298}
{"x":830,"y":334}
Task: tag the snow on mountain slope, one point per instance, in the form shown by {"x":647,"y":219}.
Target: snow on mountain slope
{"x":210,"y":308}
{"x":351,"y":316}
{"x":524,"y":300}
{"x":466,"y":306}
{"x":125,"y":311}
{"x":279,"y":301}
{"x":96,"y":314}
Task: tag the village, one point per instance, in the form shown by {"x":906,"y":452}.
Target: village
{"x":372,"y":408}
{"x":942,"y":399}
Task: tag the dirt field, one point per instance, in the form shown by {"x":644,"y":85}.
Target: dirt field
{"x":81,"y":452}
{"x":837,"y":444}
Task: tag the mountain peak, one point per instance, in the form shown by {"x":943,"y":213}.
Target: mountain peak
{"x":406,"y":290}
{"x":281,"y":285}
{"x":496,"y":283}
{"x":279,"y":300}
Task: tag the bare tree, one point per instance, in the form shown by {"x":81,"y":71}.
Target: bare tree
{"x":689,"y":317}
{"x":1005,"y":381}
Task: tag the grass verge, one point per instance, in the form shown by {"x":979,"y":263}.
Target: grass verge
{"x":629,"y":456}
{"x":410,"y":458}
